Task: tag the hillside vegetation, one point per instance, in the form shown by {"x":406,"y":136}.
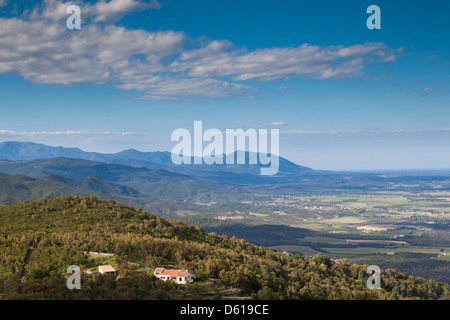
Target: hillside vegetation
{"x":19,"y":188}
{"x":40,"y":239}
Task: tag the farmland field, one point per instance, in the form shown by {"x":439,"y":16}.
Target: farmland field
{"x":362,"y":227}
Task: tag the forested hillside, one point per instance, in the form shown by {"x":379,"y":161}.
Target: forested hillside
{"x":40,"y":239}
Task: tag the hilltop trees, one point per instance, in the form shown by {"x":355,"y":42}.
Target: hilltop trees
{"x":38,"y":240}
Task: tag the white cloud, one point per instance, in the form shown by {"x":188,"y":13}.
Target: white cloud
{"x":50,"y":54}
{"x":358,"y":50}
{"x":99,"y":141}
{"x":112,"y":10}
{"x":277,"y":63}
{"x":372,"y":132}
{"x":272,"y":124}
{"x":348,"y":69}
{"x":186,"y":87}
{"x":38,"y":46}
{"x":104,"y":10}
{"x":13,"y":133}
{"x":279,"y":124}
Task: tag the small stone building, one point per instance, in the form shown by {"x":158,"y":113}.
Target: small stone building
{"x":107,"y":270}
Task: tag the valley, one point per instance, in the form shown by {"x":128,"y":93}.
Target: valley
{"x":395,"y":220}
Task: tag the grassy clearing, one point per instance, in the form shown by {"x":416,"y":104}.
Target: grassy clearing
{"x":258,"y":214}
{"x":322,"y":240}
{"x":444,"y":258}
{"x":303,"y":250}
{"x":96,"y":260}
{"x":370,"y":250}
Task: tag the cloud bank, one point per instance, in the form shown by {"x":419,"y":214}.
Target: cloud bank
{"x":163,"y":65}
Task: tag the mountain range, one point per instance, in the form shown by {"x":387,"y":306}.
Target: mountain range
{"x":153,"y":176}
{"x":153,"y":184}
{"x":235,"y":174}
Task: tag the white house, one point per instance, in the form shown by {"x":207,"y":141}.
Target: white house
{"x":179,"y":276}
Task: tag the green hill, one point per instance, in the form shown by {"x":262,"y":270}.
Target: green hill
{"x":18,"y":188}
{"x":155,"y":184}
{"x":40,"y":239}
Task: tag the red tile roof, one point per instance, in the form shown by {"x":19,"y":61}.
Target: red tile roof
{"x":173,"y":273}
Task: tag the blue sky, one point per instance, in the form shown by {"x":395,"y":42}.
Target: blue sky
{"x":344,"y":97}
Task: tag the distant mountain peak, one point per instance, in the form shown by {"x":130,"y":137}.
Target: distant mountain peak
{"x":25,"y":151}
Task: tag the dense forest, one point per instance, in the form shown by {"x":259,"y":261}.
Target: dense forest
{"x":40,"y":239}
